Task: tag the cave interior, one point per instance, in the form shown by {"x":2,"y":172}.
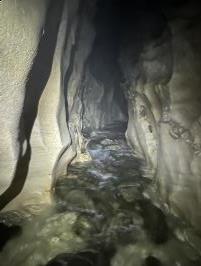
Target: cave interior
{"x":101,"y":133}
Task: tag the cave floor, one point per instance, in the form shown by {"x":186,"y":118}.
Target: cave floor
{"x":100,"y":216}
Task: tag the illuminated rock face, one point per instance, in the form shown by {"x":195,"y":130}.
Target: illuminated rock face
{"x":164,"y":95}
{"x":179,"y":172}
{"x":21,"y":26}
{"x":45,"y":47}
{"x":52,"y":87}
{"x":40,"y":56}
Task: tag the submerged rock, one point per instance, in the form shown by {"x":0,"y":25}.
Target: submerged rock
{"x":85,"y":258}
{"x":42,"y":239}
{"x":97,"y":221}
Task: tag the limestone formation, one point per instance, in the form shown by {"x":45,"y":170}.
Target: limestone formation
{"x":70,"y":68}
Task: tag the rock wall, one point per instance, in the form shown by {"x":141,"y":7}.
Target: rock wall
{"x":44,"y":46}
{"x":103,"y":100}
{"x":179,"y":158}
{"x":20,"y":35}
{"x":103,"y":104}
{"x":161,"y":66}
{"x":55,"y":83}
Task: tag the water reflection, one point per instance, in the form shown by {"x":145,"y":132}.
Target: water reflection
{"x":100,"y":217}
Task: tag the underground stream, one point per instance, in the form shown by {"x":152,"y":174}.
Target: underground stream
{"x":101,"y":216}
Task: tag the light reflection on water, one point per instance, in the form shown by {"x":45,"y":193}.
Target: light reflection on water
{"x":100,"y":217}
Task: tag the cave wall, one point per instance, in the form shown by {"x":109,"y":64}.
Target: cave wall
{"x":103,"y":99}
{"x":20,"y":36}
{"x":179,"y":172}
{"x":53,"y":87}
{"x":104,"y":103}
{"x":161,"y":66}
{"x":44,"y":46}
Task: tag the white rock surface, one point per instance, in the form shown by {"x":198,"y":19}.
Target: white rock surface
{"x":35,"y":142}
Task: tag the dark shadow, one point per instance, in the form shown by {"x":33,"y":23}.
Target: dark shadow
{"x":7,"y":233}
{"x":36,"y":83}
{"x":155,"y":223}
{"x":85,"y":258}
{"x":73,"y":51}
{"x":152,"y":261}
{"x":103,"y":59}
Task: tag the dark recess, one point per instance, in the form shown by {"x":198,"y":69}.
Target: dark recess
{"x":7,"y":233}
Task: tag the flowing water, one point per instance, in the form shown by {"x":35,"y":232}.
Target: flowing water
{"x":100,"y":216}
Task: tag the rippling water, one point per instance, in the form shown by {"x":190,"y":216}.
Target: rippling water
{"x":100,"y":217}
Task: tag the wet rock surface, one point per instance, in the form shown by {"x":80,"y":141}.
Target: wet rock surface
{"x":100,"y":216}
